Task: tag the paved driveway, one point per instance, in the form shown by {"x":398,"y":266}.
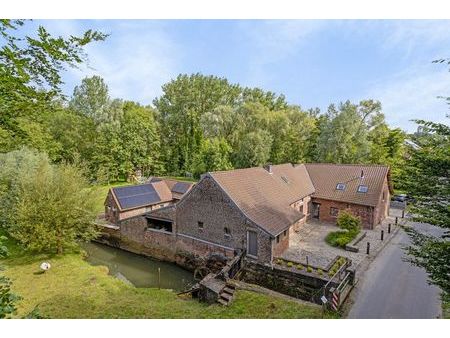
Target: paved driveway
{"x":310,"y":242}
{"x":393,"y":288}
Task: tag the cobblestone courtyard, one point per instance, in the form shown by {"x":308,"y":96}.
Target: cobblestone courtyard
{"x":310,"y":243}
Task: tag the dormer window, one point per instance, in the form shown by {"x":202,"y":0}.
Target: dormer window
{"x":340,"y":186}
{"x":363,"y":188}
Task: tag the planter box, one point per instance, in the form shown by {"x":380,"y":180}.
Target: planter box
{"x":352,"y":246}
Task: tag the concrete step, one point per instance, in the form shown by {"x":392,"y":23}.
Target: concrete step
{"x":226,"y":296}
{"x":228,"y":290}
{"x":230,"y":286}
{"x":223,"y":302}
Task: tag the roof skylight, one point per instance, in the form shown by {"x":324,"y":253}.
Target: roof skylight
{"x":363,"y":188}
{"x":340,"y":186}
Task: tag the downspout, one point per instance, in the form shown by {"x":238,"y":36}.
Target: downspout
{"x":271,"y":253}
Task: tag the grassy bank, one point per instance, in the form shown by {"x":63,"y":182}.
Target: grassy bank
{"x":445,"y":309}
{"x":72,"y":288}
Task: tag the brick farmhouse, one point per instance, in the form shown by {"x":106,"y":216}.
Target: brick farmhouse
{"x":254,"y":209}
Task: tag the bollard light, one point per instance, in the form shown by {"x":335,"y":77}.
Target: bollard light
{"x":368,"y":247}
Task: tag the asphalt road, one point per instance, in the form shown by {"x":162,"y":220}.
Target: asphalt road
{"x":393,"y":288}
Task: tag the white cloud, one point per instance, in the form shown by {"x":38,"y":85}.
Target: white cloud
{"x":413,"y":94}
{"x":275,"y":41}
{"x":135,"y":60}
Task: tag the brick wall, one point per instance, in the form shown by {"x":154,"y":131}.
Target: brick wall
{"x":302,"y":206}
{"x":207,"y":203}
{"x":282,"y":245}
{"x":365,"y":213}
{"x":300,"y":285}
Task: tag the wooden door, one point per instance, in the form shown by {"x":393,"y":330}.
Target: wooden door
{"x":252,"y":243}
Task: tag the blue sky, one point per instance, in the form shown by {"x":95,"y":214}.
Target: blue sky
{"x":313,"y":62}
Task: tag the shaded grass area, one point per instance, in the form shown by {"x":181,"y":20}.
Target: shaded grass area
{"x":101,"y":191}
{"x":73,"y":288}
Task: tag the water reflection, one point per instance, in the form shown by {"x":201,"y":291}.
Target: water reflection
{"x":137,"y":270}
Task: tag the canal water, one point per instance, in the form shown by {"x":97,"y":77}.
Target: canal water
{"x":138,"y":270}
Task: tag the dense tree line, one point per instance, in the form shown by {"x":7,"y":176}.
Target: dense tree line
{"x":199,"y":123}
{"x":204,"y":123}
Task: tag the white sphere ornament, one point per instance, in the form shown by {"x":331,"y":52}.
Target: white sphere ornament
{"x":45,"y":266}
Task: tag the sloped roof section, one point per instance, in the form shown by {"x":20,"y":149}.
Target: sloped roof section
{"x":260,"y":196}
{"x":136,"y":196}
{"x":325,"y":178}
{"x":177,"y":188}
{"x":181,"y":187}
{"x":167,"y":213}
{"x":296,"y":179}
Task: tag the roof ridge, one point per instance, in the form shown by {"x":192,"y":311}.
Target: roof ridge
{"x":347,"y":164}
{"x":234,"y":170}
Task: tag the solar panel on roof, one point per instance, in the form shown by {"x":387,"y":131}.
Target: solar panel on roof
{"x":181,"y":187}
{"x":136,"y":195}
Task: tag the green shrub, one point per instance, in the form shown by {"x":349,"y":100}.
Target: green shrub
{"x":300,"y":267}
{"x":290,"y":264}
{"x":351,"y":226}
{"x":320,"y":272}
{"x":279,"y":262}
{"x":348,"y":222}
{"x":309,"y":269}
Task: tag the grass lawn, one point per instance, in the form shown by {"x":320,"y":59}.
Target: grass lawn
{"x":101,"y":191}
{"x":73,"y":288}
{"x":446,"y":309}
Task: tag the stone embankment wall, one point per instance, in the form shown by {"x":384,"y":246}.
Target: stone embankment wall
{"x":299,"y":285}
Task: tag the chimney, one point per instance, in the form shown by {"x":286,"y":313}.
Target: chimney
{"x":362,"y":173}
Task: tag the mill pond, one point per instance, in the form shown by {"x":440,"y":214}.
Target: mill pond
{"x":142,"y":272}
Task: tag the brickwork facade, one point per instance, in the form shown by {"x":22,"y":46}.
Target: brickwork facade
{"x":370,"y":216}
{"x":208,"y":214}
{"x":303,"y":207}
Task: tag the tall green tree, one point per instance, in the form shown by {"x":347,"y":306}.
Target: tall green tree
{"x":181,"y":107}
{"x":91,"y":99}
{"x":427,"y":180}
{"x":344,"y":133}
{"x":214,"y":155}
{"x":140,"y":140}
{"x":30,"y":79}
{"x":189,"y":105}
{"x":254,"y":149}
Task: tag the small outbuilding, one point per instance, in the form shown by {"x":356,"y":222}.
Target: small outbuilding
{"x":133,"y":200}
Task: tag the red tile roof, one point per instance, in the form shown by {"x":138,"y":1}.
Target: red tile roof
{"x":296,"y":179}
{"x":325,"y":178}
{"x":262,"y":197}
